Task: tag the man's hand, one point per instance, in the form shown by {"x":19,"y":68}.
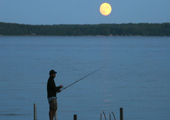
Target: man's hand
{"x":58,"y":91}
{"x":61,"y":86}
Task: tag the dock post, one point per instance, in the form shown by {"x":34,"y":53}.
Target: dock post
{"x":110,"y":116}
{"x":121,"y":113}
{"x":35,"y":111}
{"x":101,"y":116}
{"x":75,"y":117}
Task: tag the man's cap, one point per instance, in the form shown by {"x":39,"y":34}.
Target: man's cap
{"x":52,"y":72}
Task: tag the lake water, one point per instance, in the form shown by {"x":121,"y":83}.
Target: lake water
{"x":136,"y":76}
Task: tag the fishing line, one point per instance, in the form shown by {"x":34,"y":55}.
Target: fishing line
{"x":82,"y":78}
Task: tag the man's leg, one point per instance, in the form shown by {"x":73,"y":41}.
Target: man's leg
{"x":51,"y":114}
{"x":53,"y":108}
{"x":54,"y":111}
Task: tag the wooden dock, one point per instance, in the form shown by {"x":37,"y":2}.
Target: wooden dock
{"x":75,"y":115}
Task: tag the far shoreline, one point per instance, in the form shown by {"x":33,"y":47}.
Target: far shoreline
{"x":129,"y":29}
{"x":77,"y":36}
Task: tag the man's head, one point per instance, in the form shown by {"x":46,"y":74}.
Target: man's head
{"x":52,"y":73}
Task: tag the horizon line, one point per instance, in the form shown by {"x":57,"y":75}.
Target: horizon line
{"x":86,"y":24}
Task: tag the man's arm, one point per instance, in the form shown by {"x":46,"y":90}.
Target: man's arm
{"x":53,"y":86}
{"x":59,"y":88}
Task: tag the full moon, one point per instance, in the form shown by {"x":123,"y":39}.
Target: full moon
{"x":105,"y":9}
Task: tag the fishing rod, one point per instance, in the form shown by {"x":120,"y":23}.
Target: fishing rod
{"x":82,"y":78}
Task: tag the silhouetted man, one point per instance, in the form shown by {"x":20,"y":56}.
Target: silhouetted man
{"x":52,"y":90}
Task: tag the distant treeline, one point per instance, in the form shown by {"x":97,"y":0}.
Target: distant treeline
{"x":130,"y":29}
